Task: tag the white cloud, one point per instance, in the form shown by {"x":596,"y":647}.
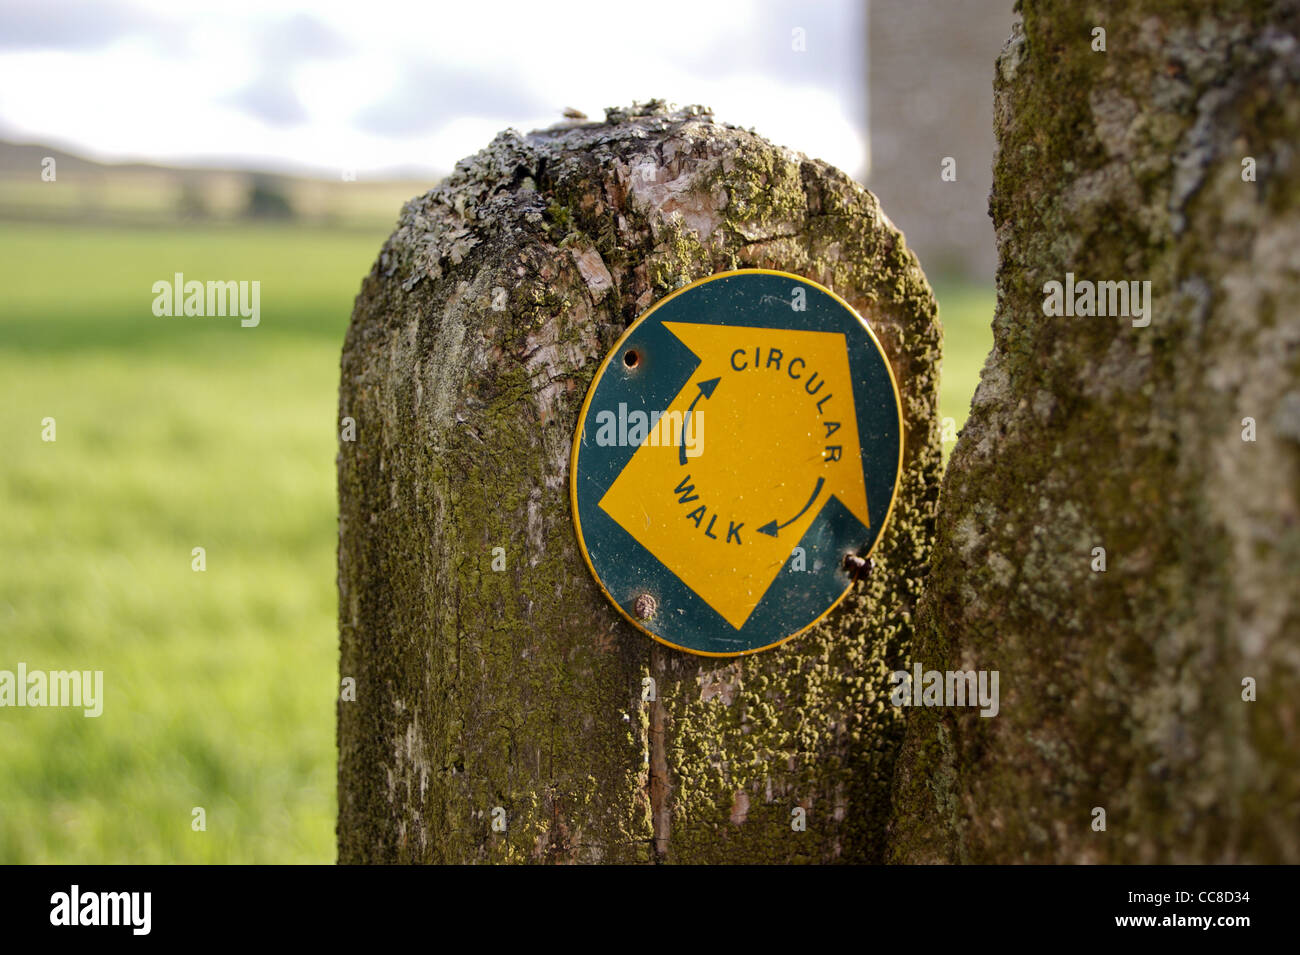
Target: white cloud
{"x":187,"y":88}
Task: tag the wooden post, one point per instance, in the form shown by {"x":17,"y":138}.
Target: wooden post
{"x":504,"y":711}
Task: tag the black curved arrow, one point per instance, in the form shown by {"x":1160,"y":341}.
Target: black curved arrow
{"x":706,"y":391}
{"x":771,"y":527}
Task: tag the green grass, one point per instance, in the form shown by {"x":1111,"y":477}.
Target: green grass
{"x":173,"y":434}
{"x":966,"y":311}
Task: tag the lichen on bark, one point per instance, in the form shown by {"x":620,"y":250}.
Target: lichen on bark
{"x":1123,"y":689}
{"x":471,"y":346}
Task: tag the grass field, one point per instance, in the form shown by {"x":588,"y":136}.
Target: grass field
{"x":966,"y":310}
{"x":174,"y":434}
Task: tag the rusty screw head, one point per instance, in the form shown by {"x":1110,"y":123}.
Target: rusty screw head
{"x":645,"y":606}
{"x":858,"y":567}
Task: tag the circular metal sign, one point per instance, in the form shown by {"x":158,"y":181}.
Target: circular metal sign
{"x":742,"y":437}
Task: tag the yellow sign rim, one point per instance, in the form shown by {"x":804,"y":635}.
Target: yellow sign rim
{"x":582,"y":417}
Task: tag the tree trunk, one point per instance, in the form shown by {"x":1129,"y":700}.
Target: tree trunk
{"x":499,"y":713}
{"x":1127,"y":689}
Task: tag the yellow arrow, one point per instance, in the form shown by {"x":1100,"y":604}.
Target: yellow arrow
{"x":770,"y":435}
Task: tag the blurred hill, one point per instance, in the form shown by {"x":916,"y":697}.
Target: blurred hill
{"x":86,"y":191}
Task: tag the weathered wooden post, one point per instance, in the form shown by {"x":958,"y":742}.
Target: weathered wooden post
{"x":1120,"y":528}
{"x":504,"y":710}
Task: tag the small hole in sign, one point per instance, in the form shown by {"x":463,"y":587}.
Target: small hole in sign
{"x":631,"y":358}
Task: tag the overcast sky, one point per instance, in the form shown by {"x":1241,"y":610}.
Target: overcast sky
{"x":381,"y":85}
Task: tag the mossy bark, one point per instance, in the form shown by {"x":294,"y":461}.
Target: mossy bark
{"x":1123,"y":690}
{"x":472,"y":344}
